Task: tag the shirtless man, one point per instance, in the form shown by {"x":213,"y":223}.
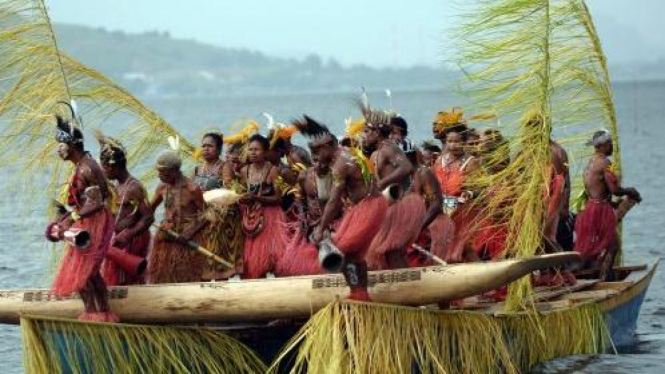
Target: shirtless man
{"x":430,"y":153}
{"x":87,"y":197}
{"x":315,"y":188}
{"x":437,"y":228}
{"x":559,"y":195}
{"x":362,"y":218}
{"x":133,"y":213}
{"x":170,"y":259}
{"x":596,"y":225}
{"x":402,"y":223}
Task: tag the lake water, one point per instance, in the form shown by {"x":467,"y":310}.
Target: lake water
{"x":25,"y":259}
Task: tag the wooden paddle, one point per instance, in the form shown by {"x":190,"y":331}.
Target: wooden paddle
{"x":195,"y":246}
{"x":429,"y":254}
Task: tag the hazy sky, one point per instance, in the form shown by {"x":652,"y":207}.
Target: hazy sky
{"x":373,"y":32}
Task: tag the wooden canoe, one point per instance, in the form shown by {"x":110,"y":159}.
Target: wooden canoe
{"x":292,"y":297}
{"x":620,"y":302}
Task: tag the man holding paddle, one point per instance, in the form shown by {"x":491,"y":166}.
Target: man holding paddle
{"x":171,"y":259}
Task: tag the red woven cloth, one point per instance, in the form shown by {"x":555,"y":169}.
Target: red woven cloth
{"x":595,"y":228}
{"x":114,"y":275}
{"x":79,"y":265}
{"x":359,"y":224}
{"x":399,"y":228}
{"x":451,"y":180}
{"x":263,"y":251}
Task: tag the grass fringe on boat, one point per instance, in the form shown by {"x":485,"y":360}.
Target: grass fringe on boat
{"x":69,"y":346}
{"x":352,"y":337}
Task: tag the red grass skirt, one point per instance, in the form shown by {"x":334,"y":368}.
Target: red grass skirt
{"x":300,"y":258}
{"x":171,"y":262}
{"x":491,"y":239}
{"x":596,"y":229}
{"x":467,"y":224}
{"x":554,"y":206}
{"x":114,"y":275}
{"x":400,"y":227}
{"x":441,"y":232}
{"x":359,"y":224}
{"x":79,"y":265}
{"x":264,"y":250}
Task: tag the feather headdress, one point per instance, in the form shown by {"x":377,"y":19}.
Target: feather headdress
{"x":317,"y":132}
{"x":66,"y":132}
{"x":111,"y":150}
{"x":447,"y":119}
{"x":245,"y":133}
{"x":373,"y":117}
{"x":278,"y":131}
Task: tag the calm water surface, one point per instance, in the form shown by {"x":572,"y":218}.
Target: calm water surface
{"x":25,"y":259}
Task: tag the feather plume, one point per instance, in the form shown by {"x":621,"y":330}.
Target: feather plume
{"x":310,"y":127}
{"x":354,"y":127}
{"x":174,"y":142}
{"x":104,"y":140}
{"x":245,"y":133}
{"x":271,"y":121}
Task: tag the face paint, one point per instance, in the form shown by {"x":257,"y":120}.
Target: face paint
{"x":63,"y":150}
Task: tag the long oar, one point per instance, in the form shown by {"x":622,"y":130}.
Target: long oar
{"x":429,"y":254}
{"x":195,"y":246}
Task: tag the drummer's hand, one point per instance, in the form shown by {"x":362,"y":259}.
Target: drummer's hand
{"x":317,"y":236}
{"x":247,"y":198}
{"x":380,"y":185}
{"x":121,"y":240}
{"x":633,"y":194}
{"x":65,"y":223}
{"x":465,"y":196}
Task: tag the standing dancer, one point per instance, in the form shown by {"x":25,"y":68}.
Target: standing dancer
{"x":452,"y":169}
{"x":315,"y":188}
{"x":353,"y":183}
{"x":87,"y":196}
{"x":596,"y":225}
{"x":223,"y":234}
{"x":170,"y":259}
{"x":262,"y":217}
{"x":133,"y":215}
{"x":403,"y":221}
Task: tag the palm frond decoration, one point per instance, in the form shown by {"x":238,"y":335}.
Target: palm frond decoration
{"x":539,"y":65}
{"x":36,"y":76}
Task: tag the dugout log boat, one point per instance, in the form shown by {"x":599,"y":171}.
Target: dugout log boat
{"x":588,"y":317}
{"x":289,"y":297}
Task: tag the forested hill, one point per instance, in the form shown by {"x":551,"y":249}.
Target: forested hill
{"x":154,"y":63}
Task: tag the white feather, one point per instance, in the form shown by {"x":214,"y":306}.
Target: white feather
{"x":174,"y":142}
{"x":76,"y":114}
{"x":347,"y":122}
{"x":363,"y":97}
{"x":390,"y":98}
{"x":271,"y":121}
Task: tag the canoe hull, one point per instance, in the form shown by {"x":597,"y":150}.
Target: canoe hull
{"x":292,"y":297}
{"x":622,"y":311}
